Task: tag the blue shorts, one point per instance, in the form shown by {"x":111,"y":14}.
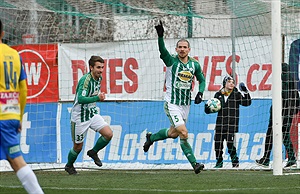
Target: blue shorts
{"x":9,"y":139}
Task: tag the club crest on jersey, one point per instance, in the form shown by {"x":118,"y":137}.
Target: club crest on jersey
{"x":185,"y":76}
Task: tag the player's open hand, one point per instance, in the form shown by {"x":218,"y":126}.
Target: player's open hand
{"x":160,"y":29}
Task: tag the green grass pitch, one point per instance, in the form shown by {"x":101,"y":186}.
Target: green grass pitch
{"x":158,"y":181}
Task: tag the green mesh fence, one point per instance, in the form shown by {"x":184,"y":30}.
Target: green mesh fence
{"x":100,"y":20}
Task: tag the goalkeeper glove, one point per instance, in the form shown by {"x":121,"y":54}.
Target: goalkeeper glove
{"x":160,"y":29}
{"x":206,"y":109}
{"x":198,"y":98}
{"x":243,"y":88}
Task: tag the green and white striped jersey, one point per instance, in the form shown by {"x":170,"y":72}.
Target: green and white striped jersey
{"x":180,"y":76}
{"x":84,"y":107}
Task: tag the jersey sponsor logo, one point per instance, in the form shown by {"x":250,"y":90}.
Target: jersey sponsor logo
{"x":9,"y":97}
{"x":9,"y":103}
{"x":14,"y":149}
{"x":182,"y":85}
{"x":14,"y":108}
{"x":185,"y":76}
{"x":37,"y":71}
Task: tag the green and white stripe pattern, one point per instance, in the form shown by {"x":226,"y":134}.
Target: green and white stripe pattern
{"x":87,"y":87}
{"x":179,"y":78}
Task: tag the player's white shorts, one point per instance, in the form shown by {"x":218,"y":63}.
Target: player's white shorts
{"x":177,"y":114}
{"x":79,"y":129}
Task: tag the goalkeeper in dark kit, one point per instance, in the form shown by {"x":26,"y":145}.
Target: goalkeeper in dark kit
{"x":228,"y":118}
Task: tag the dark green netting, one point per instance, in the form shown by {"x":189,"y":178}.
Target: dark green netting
{"x":99,"y":20}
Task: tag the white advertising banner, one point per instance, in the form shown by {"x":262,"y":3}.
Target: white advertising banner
{"x":134,"y":70}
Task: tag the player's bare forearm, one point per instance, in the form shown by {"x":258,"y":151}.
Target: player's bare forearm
{"x":23,"y":96}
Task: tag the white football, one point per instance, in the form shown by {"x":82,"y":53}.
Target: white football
{"x":214,"y":105}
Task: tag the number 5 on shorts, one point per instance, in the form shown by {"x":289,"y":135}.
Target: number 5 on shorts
{"x":176,"y":118}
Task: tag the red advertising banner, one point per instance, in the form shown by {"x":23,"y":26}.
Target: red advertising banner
{"x":40,"y":64}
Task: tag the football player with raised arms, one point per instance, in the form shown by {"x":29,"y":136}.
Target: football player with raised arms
{"x":180,"y":73}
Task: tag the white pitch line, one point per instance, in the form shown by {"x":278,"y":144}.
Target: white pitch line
{"x":154,"y":190}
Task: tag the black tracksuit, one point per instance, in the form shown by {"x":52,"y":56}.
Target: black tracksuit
{"x":290,"y":107}
{"x":228,"y":121}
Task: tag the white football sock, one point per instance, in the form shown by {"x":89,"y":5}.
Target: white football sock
{"x":29,"y":180}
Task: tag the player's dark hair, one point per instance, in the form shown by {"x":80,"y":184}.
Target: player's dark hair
{"x":95,"y":59}
{"x":183,"y":40}
{"x":1,"y":26}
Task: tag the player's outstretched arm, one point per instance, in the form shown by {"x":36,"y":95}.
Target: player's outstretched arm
{"x":164,"y":53}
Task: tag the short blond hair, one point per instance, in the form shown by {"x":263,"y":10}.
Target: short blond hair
{"x":183,"y":40}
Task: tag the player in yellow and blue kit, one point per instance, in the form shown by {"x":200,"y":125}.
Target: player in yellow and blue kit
{"x":13,"y":93}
